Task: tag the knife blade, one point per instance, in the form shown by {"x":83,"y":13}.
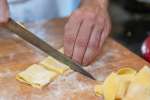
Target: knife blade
{"x":21,"y":31}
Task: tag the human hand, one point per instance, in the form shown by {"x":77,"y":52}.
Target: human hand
{"x":85,"y":33}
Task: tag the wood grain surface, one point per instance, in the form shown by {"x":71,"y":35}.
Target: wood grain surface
{"x":16,"y":55}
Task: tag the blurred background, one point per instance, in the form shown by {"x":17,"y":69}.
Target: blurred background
{"x":130,"y":18}
{"x":34,"y":10}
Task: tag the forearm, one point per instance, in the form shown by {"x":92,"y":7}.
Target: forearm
{"x":101,"y":3}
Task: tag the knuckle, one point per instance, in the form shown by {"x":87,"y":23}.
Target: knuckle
{"x":90,"y":15}
{"x":77,"y":13}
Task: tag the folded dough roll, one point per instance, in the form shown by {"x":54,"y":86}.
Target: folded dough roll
{"x":54,"y":65}
{"x":36,"y":75}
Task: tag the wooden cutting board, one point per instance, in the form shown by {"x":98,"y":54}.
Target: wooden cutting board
{"x":16,"y":55}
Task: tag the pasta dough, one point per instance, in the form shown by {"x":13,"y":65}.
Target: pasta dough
{"x":126,"y":84}
{"x":126,"y":73}
{"x":139,"y":89}
{"x":110,"y":87}
{"x":54,"y":65}
{"x":115,"y":85}
{"x":36,"y":75}
{"x":125,"y":76}
{"x":41,"y":74}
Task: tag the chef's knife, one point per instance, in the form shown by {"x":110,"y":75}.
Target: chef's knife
{"x":21,"y":31}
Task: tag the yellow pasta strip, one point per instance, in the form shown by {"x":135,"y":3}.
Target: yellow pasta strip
{"x":110,"y":86}
{"x":116,"y":84}
{"x":139,"y":89}
{"x":54,"y":65}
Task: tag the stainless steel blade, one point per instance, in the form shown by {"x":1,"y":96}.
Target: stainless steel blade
{"x":21,"y":31}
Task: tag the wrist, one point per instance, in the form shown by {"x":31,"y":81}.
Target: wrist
{"x":103,"y":4}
